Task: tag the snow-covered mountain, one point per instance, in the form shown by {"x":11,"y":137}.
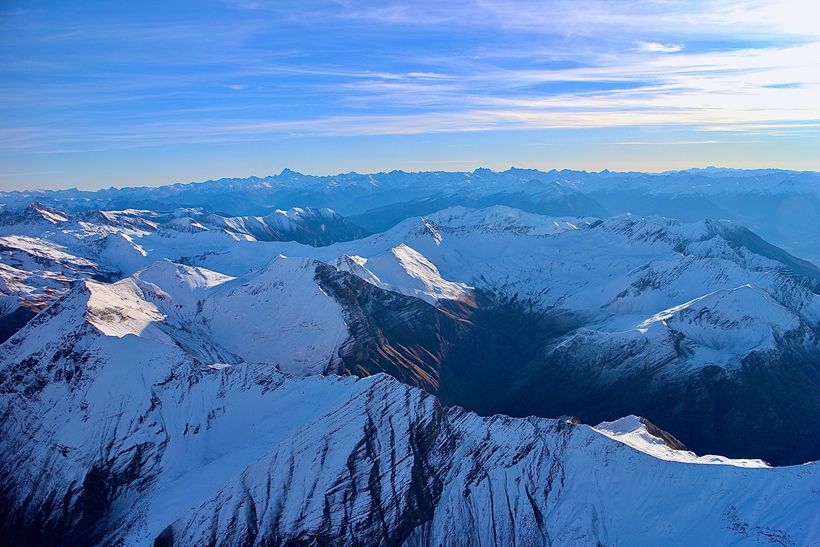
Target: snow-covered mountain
{"x":305,"y":225}
{"x":499,"y":310}
{"x":44,"y":250}
{"x":112,"y":433}
{"x":35,"y":213}
{"x":181,"y":377}
{"x":680,"y":322}
{"x":779,"y":205}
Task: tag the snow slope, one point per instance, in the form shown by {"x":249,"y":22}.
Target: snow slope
{"x":132,"y":439}
{"x":633,"y":431}
{"x":277,"y":315}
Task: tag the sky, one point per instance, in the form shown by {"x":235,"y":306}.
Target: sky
{"x":97,"y":94}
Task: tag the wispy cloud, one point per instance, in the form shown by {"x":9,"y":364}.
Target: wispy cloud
{"x":664,"y":143}
{"x":591,"y":17}
{"x":655,"y":47}
{"x":251,"y":70}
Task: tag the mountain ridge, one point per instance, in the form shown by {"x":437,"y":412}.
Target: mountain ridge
{"x":777,"y":204}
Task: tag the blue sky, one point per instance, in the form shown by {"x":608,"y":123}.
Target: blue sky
{"x":97,"y":94}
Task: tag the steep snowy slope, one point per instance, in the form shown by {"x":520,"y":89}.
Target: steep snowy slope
{"x":277,"y":315}
{"x":405,"y":270}
{"x":645,"y":436}
{"x":112,"y":435}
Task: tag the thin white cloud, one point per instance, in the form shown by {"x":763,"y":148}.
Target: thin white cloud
{"x":758,"y":88}
{"x":655,"y":47}
{"x":664,"y":143}
{"x":764,"y":18}
{"x":713,"y":91}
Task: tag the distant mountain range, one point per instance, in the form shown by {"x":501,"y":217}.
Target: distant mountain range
{"x":440,"y":358}
{"x":781,"y":206}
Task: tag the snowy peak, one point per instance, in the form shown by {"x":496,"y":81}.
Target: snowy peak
{"x":645,"y":437}
{"x":305,"y":213}
{"x":186,"y":224}
{"x":277,"y":315}
{"x":736,"y":320}
{"x":405,"y":270}
{"x":173,"y":278}
{"x":129,"y":219}
{"x":282,"y":269}
{"x":138,"y":305}
{"x":33,"y":213}
{"x":122,"y":251}
{"x":719,"y":330}
{"x":40,"y":211}
{"x":426,"y":274}
{"x":500,"y":218}
{"x":178,"y":285}
{"x":356,"y":265}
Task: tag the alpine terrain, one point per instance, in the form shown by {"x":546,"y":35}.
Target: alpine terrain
{"x":479,"y":358}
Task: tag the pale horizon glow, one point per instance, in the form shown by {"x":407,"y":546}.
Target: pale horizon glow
{"x":96,"y":95}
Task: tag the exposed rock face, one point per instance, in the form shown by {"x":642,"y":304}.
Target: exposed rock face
{"x":390,"y":332}
{"x":668,"y":439}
